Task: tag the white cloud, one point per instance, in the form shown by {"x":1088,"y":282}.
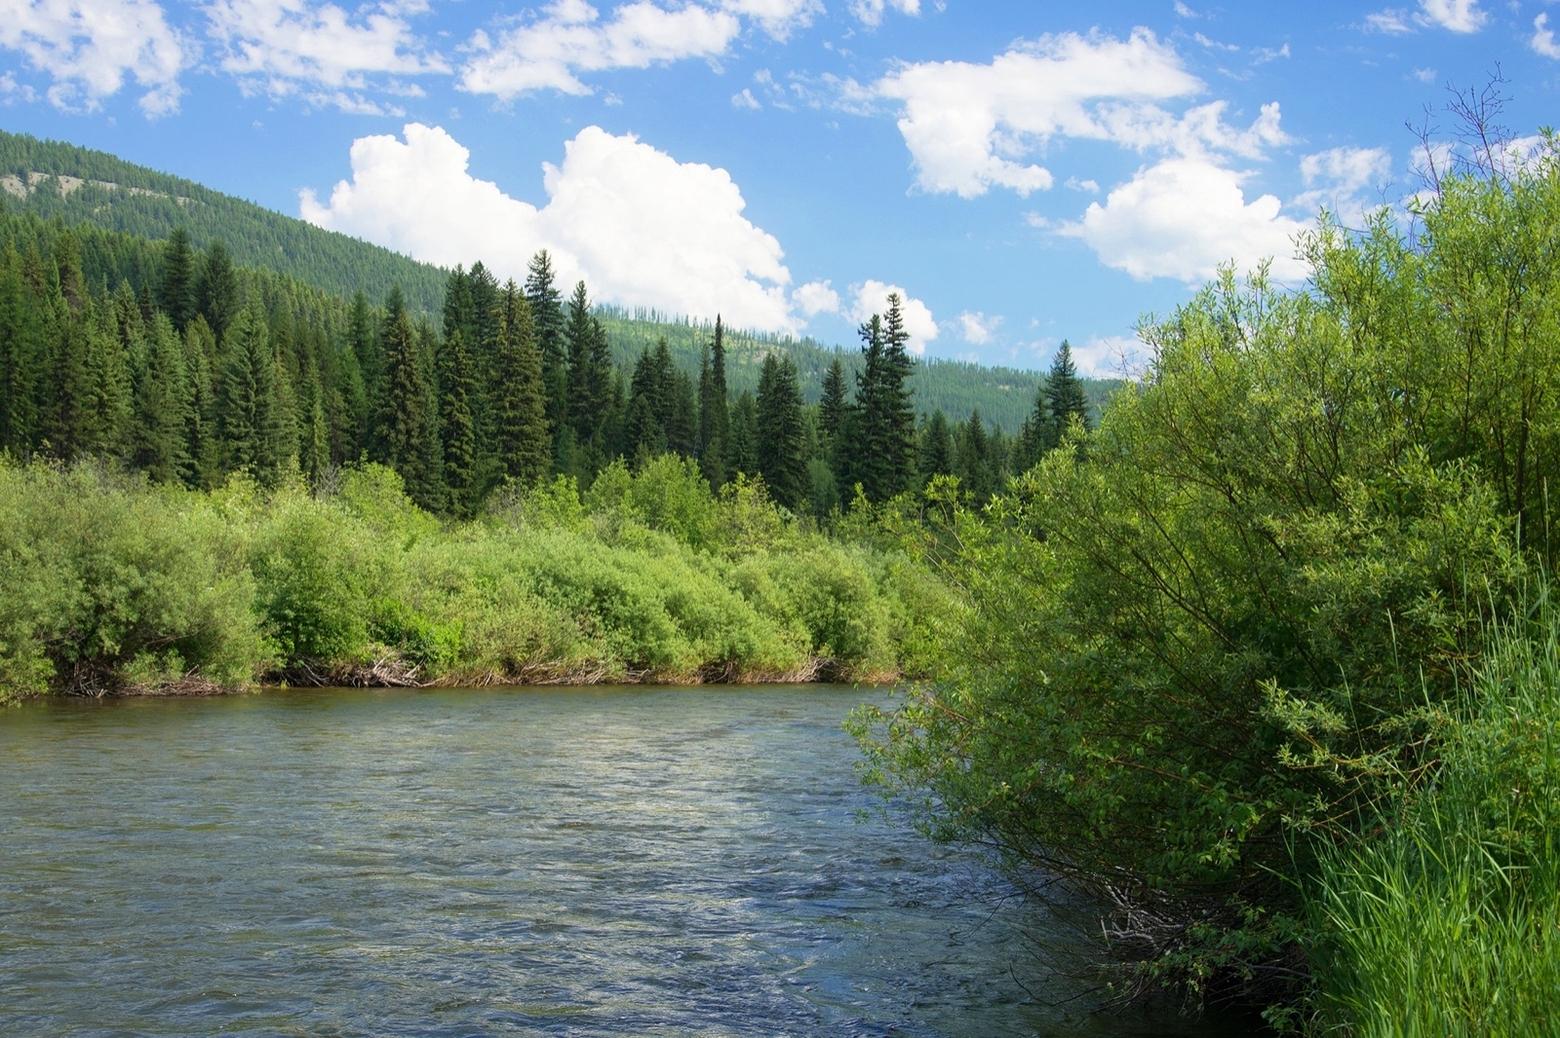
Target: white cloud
{"x":816,"y":297}
{"x":870,"y":12}
{"x":1184,"y":11}
{"x":1392,"y":21}
{"x":778,"y":18}
{"x":89,"y":48}
{"x":871,"y":297}
{"x":978,"y":328}
{"x":745,"y":99}
{"x":972,"y":127}
{"x":640,"y":227}
{"x":1463,"y":16}
{"x":1424,"y":75}
{"x":1111,"y":356}
{"x":1543,"y":39}
{"x":571,"y":38}
{"x":1456,"y":15}
{"x":1090,"y":186}
{"x":1182,"y":218}
{"x":1341,"y":179}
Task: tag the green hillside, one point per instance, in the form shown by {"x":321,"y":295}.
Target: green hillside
{"x":77,"y":185}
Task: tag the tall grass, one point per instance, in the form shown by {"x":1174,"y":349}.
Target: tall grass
{"x":1446,"y":919}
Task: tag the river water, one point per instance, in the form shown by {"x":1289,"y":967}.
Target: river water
{"x":580,"y":862}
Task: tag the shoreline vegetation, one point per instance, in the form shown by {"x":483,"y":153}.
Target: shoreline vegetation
{"x":1268,"y":663}
{"x":119,"y":586}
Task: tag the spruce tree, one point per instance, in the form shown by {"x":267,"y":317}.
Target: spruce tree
{"x":408,"y":417}
{"x":714,"y":411}
{"x":973,"y":462}
{"x":1064,"y":394}
{"x":457,"y":428}
{"x":216,"y":290}
{"x":249,"y":432}
{"x":176,"y":287}
{"x":645,"y":435}
{"x":1038,"y":434}
{"x":781,"y":435}
{"x":523,"y":440}
{"x":744,"y":435}
{"x":936,"y":447}
{"x":203,"y":450}
{"x":163,"y":400}
{"x":584,"y":385}
{"x":21,"y":357}
{"x":548,"y":319}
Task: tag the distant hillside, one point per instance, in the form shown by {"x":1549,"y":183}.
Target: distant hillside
{"x":78,"y":185}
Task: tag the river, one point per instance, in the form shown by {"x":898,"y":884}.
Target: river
{"x":569,"y":861}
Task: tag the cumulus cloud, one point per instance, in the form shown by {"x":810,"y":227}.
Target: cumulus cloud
{"x":571,"y":38}
{"x":640,"y":227}
{"x":871,"y":297}
{"x":778,"y":18}
{"x":89,"y":48}
{"x":978,"y":328}
{"x":292,"y":47}
{"x":972,"y":127}
{"x":1181,"y":218}
{"x":816,"y":297}
{"x":1543,"y":39}
{"x":1456,"y":15}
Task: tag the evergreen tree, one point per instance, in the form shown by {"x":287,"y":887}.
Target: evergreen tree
{"x":645,"y":435}
{"x":833,"y":413}
{"x":744,"y":435}
{"x":21,"y":357}
{"x":973,"y":463}
{"x":249,"y":432}
{"x":936,"y":447}
{"x":523,"y":438}
{"x":780,"y":445}
{"x":176,"y":289}
{"x":163,"y":399}
{"x":585,"y":385}
{"x":203,"y":449}
{"x":882,"y":431}
{"x":216,"y":290}
{"x":714,"y":412}
{"x":1038,"y":434}
{"x":457,"y":427}
{"x":548,"y":319}
{"x":1064,"y":393}
{"x":408,"y":419}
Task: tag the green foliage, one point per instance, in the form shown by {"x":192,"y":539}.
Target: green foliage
{"x":1215,"y":633}
{"x":115,"y":583}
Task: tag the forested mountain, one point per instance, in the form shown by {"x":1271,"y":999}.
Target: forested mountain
{"x":84,"y":187}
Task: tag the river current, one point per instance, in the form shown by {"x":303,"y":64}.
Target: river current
{"x":567,"y":861}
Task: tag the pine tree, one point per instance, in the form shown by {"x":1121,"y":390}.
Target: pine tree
{"x":524,"y":441}
{"x":973,"y":461}
{"x":895,"y":436}
{"x":714,"y":412}
{"x":744,"y":435}
{"x":936,"y":447}
{"x":203,"y":451}
{"x":645,"y":435}
{"x":548,"y":319}
{"x":163,"y":398}
{"x":216,"y":290}
{"x":408,"y":417}
{"x":176,"y":289}
{"x":833,"y":414}
{"x":1065,"y":395}
{"x":584,"y":384}
{"x":457,"y":428}
{"x":249,"y":431}
{"x":1038,"y":434}
{"x":21,"y":357}
{"x":780,"y":447}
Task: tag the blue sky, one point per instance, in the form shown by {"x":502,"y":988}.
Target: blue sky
{"x":1022,"y":172}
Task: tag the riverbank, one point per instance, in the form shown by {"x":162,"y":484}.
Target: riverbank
{"x":119,"y":587}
